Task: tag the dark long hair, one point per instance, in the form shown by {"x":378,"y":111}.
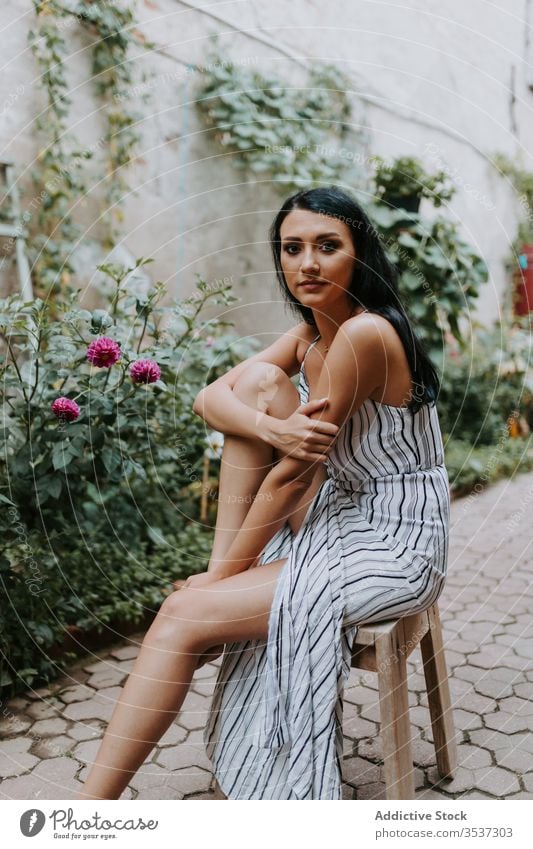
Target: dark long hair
{"x":374,"y":283}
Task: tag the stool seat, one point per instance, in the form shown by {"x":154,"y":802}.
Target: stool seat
{"x":384,"y":647}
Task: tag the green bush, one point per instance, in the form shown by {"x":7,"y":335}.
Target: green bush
{"x":87,"y":583}
{"x":100,"y":513}
{"x":31,"y":591}
{"x":406,"y":177}
{"x":481,"y":396}
{"x":469,"y":467}
{"x":440,"y":274}
{"x":481,"y":390}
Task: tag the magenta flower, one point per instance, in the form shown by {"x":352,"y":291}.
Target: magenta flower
{"x":65,"y":409}
{"x":104,"y":352}
{"x":145,"y":371}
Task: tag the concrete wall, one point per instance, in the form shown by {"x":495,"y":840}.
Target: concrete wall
{"x":445,"y":81}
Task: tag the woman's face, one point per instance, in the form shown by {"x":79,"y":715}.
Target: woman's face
{"x":318,"y":247}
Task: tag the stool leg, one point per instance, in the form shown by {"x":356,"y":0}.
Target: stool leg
{"x":438,"y":690}
{"x":394,"y":714}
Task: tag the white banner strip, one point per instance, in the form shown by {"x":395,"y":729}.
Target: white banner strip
{"x":256,"y":825}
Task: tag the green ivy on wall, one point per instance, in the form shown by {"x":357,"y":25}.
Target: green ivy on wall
{"x":59,"y":178}
{"x":522,"y":181}
{"x":113,"y":29}
{"x":280,"y":131}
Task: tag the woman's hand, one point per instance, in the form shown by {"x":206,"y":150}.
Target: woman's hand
{"x":300,"y":436}
{"x":202,"y":579}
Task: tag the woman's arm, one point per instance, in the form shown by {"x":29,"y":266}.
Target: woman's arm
{"x":354,"y":366}
{"x":296,"y":435}
{"x":223,"y":411}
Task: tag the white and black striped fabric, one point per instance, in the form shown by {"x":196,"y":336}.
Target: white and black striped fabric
{"x":373,"y":546}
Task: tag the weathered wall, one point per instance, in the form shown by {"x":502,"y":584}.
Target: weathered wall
{"x":440,"y":80}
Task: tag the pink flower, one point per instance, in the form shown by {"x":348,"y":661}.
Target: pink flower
{"x":145,"y":371}
{"x":104,"y":352}
{"x":65,"y":409}
{"x":210,"y":341}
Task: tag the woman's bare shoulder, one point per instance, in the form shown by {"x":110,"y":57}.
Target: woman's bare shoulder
{"x":370,"y":324}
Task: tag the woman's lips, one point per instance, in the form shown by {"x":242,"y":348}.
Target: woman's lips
{"x":311,"y":285}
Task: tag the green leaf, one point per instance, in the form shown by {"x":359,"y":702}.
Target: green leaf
{"x":411,"y":281}
{"x":5,"y":564}
{"x":100,"y":496}
{"x":408,"y":241}
{"x":110,"y":458}
{"x":156,"y":535}
{"x":61,"y":456}
{"x":55,"y":486}
{"x":5,"y":678}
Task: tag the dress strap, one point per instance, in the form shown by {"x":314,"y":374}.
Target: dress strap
{"x":309,"y":348}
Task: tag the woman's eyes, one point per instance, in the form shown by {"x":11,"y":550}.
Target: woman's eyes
{"x":330,"y":245}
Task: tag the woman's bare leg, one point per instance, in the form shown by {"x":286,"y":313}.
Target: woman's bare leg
{"x":245,"y":462}
{"x":188,"y":623}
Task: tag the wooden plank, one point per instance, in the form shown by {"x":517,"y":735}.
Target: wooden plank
{"x":439,"y":700}
{"x":364,"y":657}
{"x":394,"y":715}
{"x":368,"y":633}
{"x":414,"y":628}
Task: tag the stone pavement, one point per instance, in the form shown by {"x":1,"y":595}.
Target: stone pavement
{"x":487,"y":612}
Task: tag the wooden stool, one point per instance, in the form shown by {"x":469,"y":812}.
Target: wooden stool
{"x":384,"y":647}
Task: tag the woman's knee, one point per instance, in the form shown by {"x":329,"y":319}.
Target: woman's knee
{"x":191,"y":616}
{"x":178,"y":621}
{"x":266,"y":387}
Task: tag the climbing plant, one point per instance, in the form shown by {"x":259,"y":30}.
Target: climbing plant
{"x":60,"y":176}
{"x":112,"y":26}
{"x":282,"y":131}
{"x":286,"y":132}
{"x":522,"y":182}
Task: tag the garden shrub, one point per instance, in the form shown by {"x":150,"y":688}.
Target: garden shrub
{"x":482,"y":389}
{"x":470,"y":468}
{"x":486,"y":398}
{"x":101,"y":460}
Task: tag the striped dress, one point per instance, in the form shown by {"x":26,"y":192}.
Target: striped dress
{"x":373,"y":546}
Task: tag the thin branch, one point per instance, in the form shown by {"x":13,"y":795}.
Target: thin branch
{"x":143,"y":332}
{"x":39,"y":340}
{"x":16,"y":367}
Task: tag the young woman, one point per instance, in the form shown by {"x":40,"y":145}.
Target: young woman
{"x":333,"y":511}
